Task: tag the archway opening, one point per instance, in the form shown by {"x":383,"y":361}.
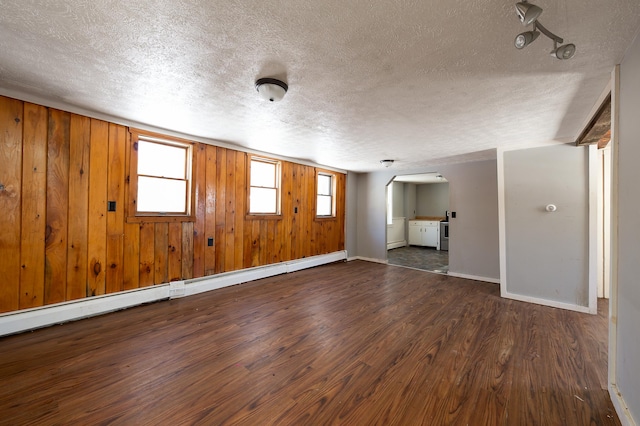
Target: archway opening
{"x":417,"y":222}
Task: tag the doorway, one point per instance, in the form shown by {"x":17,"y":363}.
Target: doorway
{"x":417,"y":222}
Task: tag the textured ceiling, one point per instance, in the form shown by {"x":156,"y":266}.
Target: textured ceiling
{"x":421,"y":82}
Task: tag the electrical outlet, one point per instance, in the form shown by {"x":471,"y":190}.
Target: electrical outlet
{"x":111,"y":206}
{"x":210,"y":241}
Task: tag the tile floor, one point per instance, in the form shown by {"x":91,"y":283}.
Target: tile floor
{"x":426,"y":258}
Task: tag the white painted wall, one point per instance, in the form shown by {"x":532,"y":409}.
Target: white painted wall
{"x":626,"y":286}
{"x":547,"y":254}
{"x":432,"y":199}
{"x":473,"y":234}
{"x":410,"y":206}
{"x":398,"y":199}
{"x":371,"y":221}
{"x":473,"y":243}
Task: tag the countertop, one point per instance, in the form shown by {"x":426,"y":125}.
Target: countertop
{"x":438,"y":218}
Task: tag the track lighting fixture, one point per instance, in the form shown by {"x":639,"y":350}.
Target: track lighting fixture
{"x":528,"y":14}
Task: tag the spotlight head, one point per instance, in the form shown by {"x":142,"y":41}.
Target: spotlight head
{"x":527,"y":12}
{"x":564,"y":52}
{"x":525,"y":38}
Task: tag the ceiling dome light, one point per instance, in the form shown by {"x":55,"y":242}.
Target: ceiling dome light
{"x":526,"y":38}
{"x":271,"y":89}
{"x":527,"y":12}
{"x":564,"y":52}
{"x":386,"y":163}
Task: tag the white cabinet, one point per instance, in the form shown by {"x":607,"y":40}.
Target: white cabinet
{"x":424,"y":233}
{"x":430,"y":237}
{"x":415,"y":233}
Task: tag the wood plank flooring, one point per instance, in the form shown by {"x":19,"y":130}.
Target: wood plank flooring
{"x":352,"y":343}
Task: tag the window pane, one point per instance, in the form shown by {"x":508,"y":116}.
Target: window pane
{"x":263,"y":200}
{"x":324,"y":206}
{"x":324,"y":185}
{"x":161,"y":195}
{"x":160,"y":160}
{"x":263,"y":174}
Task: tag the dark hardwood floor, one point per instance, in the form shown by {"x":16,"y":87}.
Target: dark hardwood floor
{"x":353,"y":343}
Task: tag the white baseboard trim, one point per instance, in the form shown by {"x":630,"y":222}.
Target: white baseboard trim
{"x":474,"y":277}
{"x":621,"y":406}
{"x":368,"y":259}
{"x":214,"y":282}
{"x":396,"y":244}
{"x":545,"y":302}
{"x":29,"y":319}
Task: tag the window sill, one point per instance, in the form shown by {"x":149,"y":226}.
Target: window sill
{"x":258,"y":216}
{"x":168,"y":218}
{"x":325,"y":218}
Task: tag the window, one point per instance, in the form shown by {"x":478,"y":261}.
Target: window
{"x":264,"y":189}
{"x":325,"y":202}
{"x":162,"y":170}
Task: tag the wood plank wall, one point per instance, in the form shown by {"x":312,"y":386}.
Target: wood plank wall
{"x":58,"y":242}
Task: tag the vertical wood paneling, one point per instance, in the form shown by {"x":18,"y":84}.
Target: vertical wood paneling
{"x":306,"y":222}
{"x":174,"y":262}
{"x":272,"y":250}
{"x":187,"y":250}
{"x":287,"y":211}
{"x":341,"y":210}
{"x":221,"y":200}
{"x":255,"y":245}
{"x":131,"y":261}
{"x":97,"y":221}
{"x":211,"y":211}
{"x":262,"y":242}
{"x":79,"y":146}
{"x":161,"y":252}
{"x":131,"y":164}
{"x":11,"y":121}
{"x":114,"y":275}
{"x":147,"y":254}
{"x":247,"y":244}
{"x":230,"y":213}
{"x":199,"y":227}
{"x":279,"y":241}
{"x":310,"y":203}
{"x":57,"y":207}
{"x":58,"y":170}
{"x":115,"y":220}
{"x":34,"y":182}
{"x":297,"y":213}
{"x":240,"y":196}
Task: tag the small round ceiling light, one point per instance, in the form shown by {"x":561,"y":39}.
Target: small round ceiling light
{"x":386,"y":163}
{"x":271,"y":89}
